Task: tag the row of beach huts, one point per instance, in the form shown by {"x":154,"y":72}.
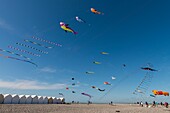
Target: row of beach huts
{"x":29,"y":99}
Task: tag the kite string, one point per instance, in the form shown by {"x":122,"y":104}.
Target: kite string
{"x":114,"y":86}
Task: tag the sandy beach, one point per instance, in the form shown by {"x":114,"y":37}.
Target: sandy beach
{"x":81,"y":108}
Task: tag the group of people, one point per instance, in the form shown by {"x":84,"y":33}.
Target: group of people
{"x":154,"y":104}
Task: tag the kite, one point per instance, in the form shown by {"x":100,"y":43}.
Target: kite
{"x":53,"y":43}
{"x":107,"y":83}
{"x":101,"y":89}
{"x":113,"y":78}
{"x":148,"y":68}
{"x":18,"y":59}
{"x":66,"y":28}
{"x":73,"y":84}
{"x":156,"y":92}
{"x":104,"y":53}
{"x":86,"y":95}
{"x":80,"y":20}
{"x":145,"y":83}
{"x":89,"y":72}
{"x":96,"y":62}
{"x":38,"y":44}
{"x":61,"y":94}
{"x":31,"y":48}
{"x":95,"y":11}
{"x":73,"y":92}
{"x":139,"y":91}
{"x":15,"y":54}
{"x":152,"y":95}
{"x":24,"y":51}
{"x":94,"y":87}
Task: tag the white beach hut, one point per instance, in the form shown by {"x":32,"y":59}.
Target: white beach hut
{"x":34,"y":99}
{"x":50,"y":100}
{"x":22,"y":99}
{"x":1,"y":98}
{"x":54,"y":100}
{"x":40,"y":100}
{"x":7,"y":99}
{"x":45,"y":100}
{"x":15,"y":99}
{"x":62,"y":100}
{"x":58,"y":101}
{"x":28,"y":99}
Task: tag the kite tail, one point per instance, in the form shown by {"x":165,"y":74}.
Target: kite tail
{"x":75,"y":32}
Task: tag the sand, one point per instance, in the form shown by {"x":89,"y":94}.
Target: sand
{"x":80,"y":108}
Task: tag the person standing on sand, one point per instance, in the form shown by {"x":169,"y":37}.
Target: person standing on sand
{"x":161,"y":103}
{"x":154,"y":104}
{"x":141,"y":104}
{"x":166,"y":104}
{"x":146,"y":104}
{"x":88,"y":103}
{"x":111,"y":103}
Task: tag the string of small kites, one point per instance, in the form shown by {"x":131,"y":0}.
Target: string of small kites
{"x":23,"y":56}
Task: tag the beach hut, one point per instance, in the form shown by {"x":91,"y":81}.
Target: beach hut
{"x":15,"y":99}
{"x":7,"y":99}
{"x":34,"y":99}
{"x":54,"y":100}
{"x":1,"y":98}
{"x":62,"y":100}
{"x":50,"y":100}
{"x":45,"y":100}
{"x":40,"y":100}
{"x":58,"y":101}
{"x":22,"y":99}
{"x":28,"y":99}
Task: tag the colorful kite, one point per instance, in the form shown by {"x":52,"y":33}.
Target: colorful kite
{"x":18,"y":59}
{"x":156,"y":92}
{"x":95,"y":11}
{"x":148,"y":68}
{"x":94,"y":87}
{"x":96,"y":62}
{"x":24,"y":51}
{"x":53,"y":43}
{"x":104,"y":53}
{"x":15,"y":54}
{"x":80,"y":20}
{"x":38,"y":44}
{"x":145,"y":83}
{"x":66,"y":28}
{"x":107,"y":83}
{"x":31,"y":48}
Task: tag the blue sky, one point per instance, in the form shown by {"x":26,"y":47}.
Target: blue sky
{"x":132,"y":32}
